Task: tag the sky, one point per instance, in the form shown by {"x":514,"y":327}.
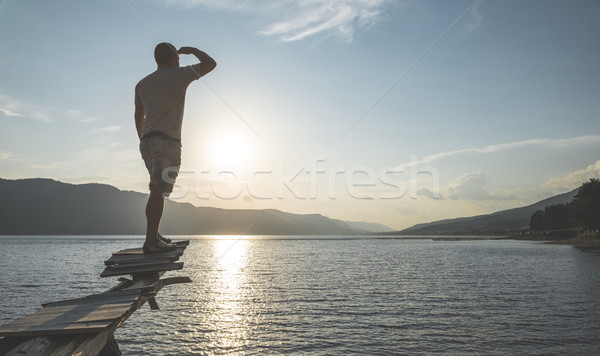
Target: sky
{"x":387,"y":111}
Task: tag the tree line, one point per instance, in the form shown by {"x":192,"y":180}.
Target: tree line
{"x":583,"y":211}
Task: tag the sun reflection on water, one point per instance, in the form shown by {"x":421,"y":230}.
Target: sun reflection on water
{"x":228,"y":294}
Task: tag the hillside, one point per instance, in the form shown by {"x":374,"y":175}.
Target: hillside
{"x":48,"y":207}
{"x":498,"y":223}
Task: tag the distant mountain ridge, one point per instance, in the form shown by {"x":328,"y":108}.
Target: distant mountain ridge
{"x":48,"y":207}
{"x":499,"y":223}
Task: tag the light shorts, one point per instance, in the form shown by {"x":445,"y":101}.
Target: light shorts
{"x":162,"y":156}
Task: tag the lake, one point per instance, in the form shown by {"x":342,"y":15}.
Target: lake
{"x":315,"y":296}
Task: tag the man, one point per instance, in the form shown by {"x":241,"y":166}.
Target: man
{"x":159,"y":104}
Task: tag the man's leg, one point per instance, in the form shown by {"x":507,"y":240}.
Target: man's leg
{"x":154,"y":211}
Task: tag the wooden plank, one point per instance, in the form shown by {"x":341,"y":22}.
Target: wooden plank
{"x":181,"y":245}
{"x":86,"y":346}
{"x":109,"y":271}
{"x":68,"y":346}
{"x":138,"y":251}
{"x":38,"y":346}
{"x":159,"y":284}
{"x":140,"y":264}
{"x":55,"y":317}
{"x":9,"y":343}
{"x":81,"y":345}
{"x":88,"y":314}
{"x":70,"y":314}
{"x":153,"y":303}
{"x":74,"y":328}
{"x":175,"y":280}
{"x":111,"y":348}
{"x":127,"y":259}
{"x":102,"y":298}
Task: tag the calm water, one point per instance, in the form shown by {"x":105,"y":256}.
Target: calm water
{"x":336,"y":297}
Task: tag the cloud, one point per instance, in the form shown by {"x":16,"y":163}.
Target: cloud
{"x":76,"y":114}
{"x":87,"y":120}
{"x":4,"y":155}
{"x":28,"y":163}
{"x":12,"y":107}
{"x":573,"y":179}
{"x":112,"y":128}
{"x":472,"y":186}
{"x":468,"y":186}
{"x":9,"y":113}
{"x":300,"y":19}
{"x":428,"y":193}
{"x":502,"y":147}
{"x":338,"y":17}
{"x":43,"y":166}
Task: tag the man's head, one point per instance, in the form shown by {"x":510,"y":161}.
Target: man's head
{"x":166,"y":55}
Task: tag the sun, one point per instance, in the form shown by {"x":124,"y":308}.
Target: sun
{"x":230,"y":150}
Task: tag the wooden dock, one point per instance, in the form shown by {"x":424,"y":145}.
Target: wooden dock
{"x":86,"y":325}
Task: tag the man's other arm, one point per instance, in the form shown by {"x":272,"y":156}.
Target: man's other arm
{"x":139,"y":116}
{"x":206,"y":61}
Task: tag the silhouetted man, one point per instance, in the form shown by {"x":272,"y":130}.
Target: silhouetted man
{"x":159,"y":104}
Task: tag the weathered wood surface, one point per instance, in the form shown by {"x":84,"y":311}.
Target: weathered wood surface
{"x":133,"y":261}
{"x":111,"y":271}
{"x":82,"y":315}
{"x":122,"y":260}
{"x":85,"y":326}
{"x":108,"y":297}
{"x":35,"y":346}
{"x":102,"y":343}
{"x":181,"y":245}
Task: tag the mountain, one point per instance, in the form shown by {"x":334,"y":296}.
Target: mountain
{"x":366,"y":226}
{"x":48,"y":207}
{"x":499,"y":223}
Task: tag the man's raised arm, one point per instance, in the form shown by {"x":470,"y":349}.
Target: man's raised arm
{"x":208,"y":64}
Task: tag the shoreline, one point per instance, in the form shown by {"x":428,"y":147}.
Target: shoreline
{"x":586,"y":243}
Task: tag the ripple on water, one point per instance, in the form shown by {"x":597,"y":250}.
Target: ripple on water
{"x":333,"y":296}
